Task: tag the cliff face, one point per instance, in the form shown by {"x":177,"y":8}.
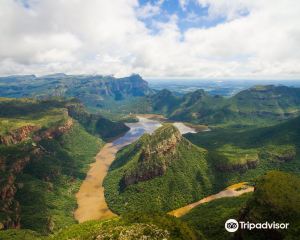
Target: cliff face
{"x":11,"y":167}
{"x":158,"y":172}
{"x":95,"y":123}
{"x":26,"y":132}
{"x":18,"y":135}
{"x":240,"y":167}
{"x":17,"y":154}
{"x":53,"y":132}
{"x":158,"y":151}
{"x":84,"y":87}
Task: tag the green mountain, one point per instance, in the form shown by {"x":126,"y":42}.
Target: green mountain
{"x":276,"y":198}
{"x":159,"y":172}
{"x":257,"y":105}
{"x":243,"y":154}
{"x":93,"y":90}
{"x":95,"y":123}
{"x":43,"y":160}
{"x":165,"y":101}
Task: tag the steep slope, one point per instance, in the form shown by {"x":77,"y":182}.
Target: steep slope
{"x":257,"y":105}
{"x":43,"y":161}
{"x":164,"y":101}
{"x":243,"y":154}
{"x":276,"y":198}
{"x":209,"y":218}
{"x":159,"y":172}
{"x":93,"y":90}
{"x":95,"y":123}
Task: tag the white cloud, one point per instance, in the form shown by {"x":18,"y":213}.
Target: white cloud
{"x":150,"y":10}
{"x":108,"y":37}
{"x":183,"y":4}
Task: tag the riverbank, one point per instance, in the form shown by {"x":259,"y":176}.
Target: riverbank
{"x":231,"y":191}
{"x":90,"y":197}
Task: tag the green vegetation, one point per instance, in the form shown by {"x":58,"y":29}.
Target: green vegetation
{"x":209,"y":218}
{"x":277,"y":148}
{"x":95,"y":91}
{"x":23,"y":112}
{"x":230,"y":158}
{"x":276,"y":198}
{"x":160,"y":172}
{"x":132,"y":227}
{"x":49,"y":183}
{"x":129,"y":227}
{"x":261,"y":105}
{"x":42,"y":168}
{"x":19,"y":234}
{"x":95,"y":123}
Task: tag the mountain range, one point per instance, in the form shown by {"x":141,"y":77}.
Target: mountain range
{"x":257,"y":104}
{"x":52,"y":127}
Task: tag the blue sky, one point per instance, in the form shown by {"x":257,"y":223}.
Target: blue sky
{"x":191,"y":15}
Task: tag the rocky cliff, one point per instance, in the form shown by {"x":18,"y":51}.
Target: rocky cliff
{"x":87,"y":88}
{"x":158,"y":172}
{"x":18,"y":135}
{"x":16,"y":153}
{"x":95,"y":123}
{"x":157,"y":152}
{"x":12,"y":164}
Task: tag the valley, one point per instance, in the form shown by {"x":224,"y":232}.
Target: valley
{"x":90,"y":197}
{"x":98,"y":156}
{"x":149,"y":120}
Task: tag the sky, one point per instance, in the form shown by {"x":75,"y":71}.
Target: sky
{"x":203,"y":39}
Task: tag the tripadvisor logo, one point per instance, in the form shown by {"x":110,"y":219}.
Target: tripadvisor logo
{"x":232,"y":225}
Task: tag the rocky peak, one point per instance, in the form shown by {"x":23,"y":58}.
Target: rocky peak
{"x":158,"y":152}
{"x":162,"y":142}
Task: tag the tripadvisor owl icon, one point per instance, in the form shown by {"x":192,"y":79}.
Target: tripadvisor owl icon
{"x":231,"y":225}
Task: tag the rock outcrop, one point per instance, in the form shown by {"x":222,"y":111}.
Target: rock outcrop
{"x":240,"y":167}
{"x":158,"y":151}
{"x":8,"y":188}
{"x":13,"y":164}
{"x":18,"y":135}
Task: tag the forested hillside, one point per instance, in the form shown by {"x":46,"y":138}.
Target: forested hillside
{"x":260,"y":105}
{"x":43,"y":160}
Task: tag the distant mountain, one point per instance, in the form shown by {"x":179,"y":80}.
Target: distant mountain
{"x":91,"y":89}
{"x":165,"y":102}
{"x":159,"y":172}
{"x":255,"y":105}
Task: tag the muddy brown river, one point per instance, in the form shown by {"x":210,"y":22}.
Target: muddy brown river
{"x":90,"y":197}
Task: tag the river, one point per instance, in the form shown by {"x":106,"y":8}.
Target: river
{"x":90,"y":197}
{"x":231,"y":191}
